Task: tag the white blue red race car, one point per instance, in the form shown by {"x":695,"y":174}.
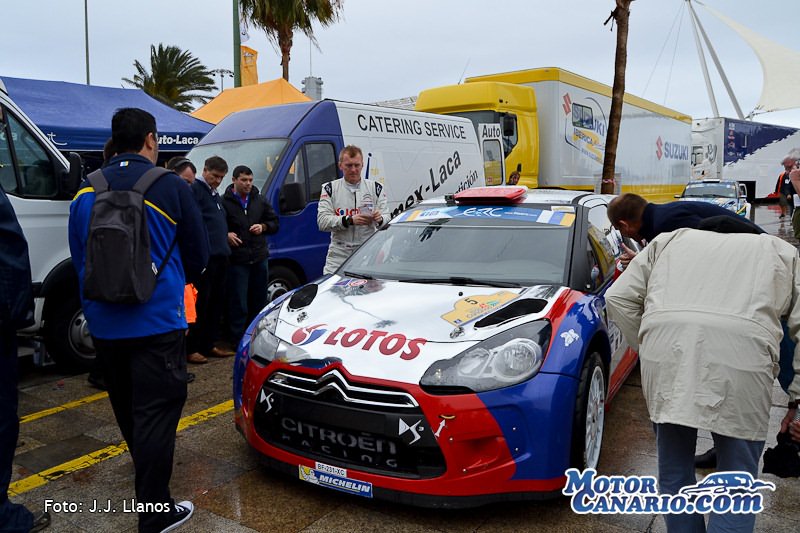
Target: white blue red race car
{"x":728,"y":194}
{"x":462,"y":355}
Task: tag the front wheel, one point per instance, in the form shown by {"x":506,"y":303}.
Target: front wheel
{"x":67,"y":335}
{"x":281,"y":281}
{"x":589,"y":416}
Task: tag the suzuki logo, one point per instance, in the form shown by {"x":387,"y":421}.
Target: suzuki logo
{"x":659,"y":146}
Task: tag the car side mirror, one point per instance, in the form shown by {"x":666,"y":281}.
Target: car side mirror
{"x":71,"y":179}
{"x":292,"y":198}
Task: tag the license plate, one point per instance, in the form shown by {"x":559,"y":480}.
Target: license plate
{"x":340,"y":483}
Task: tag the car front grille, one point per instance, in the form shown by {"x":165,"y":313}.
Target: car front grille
{"x":331,"y":420}
{"x":333,"y":388}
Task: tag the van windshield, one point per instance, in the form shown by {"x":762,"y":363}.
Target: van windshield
{"x":261,"y":155}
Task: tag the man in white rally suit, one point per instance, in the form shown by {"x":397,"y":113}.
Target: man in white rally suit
{"x":350,"y":208}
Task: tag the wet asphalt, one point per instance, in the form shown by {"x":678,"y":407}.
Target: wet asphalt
{"x":71,"y":453}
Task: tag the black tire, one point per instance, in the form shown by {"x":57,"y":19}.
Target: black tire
{"x":587,"y":435}
{"x":66,"y":334}
{"x":281,"y":281}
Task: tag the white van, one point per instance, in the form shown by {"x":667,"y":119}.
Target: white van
{"x":40,"y":184}
{"x":293,"y":149}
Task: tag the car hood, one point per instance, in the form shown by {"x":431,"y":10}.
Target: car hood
{"x":396,"y":330}
{"x":726,"y":203}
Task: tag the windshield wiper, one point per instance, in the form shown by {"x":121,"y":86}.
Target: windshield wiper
{"x":461,"y":280}
{"x":357,"y":275}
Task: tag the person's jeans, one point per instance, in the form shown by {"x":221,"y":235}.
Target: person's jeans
{"x":676,"y":446}
{"x":247,"y":295}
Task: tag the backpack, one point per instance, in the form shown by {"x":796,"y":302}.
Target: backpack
{"x":119,"y":268}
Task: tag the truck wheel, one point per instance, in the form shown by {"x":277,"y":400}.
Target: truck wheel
{"x":281,"y":281}
{"x":589,"y":417}
{"x":67,"y":336}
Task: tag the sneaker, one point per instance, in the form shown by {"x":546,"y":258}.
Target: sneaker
{"x":183,"y":512}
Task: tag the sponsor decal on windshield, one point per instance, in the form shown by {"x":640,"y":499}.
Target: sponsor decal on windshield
{"x":557,"y":216}
{"x":472,"y":307}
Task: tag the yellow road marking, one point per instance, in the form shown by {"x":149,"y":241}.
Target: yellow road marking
{"x":63,"y":407}
{"x":85,"y":461}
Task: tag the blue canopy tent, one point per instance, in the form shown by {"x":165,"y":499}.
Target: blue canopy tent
{"x":77,"y":117}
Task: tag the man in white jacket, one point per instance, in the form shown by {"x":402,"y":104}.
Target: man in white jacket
{"x":703,"y":309}
{"x":350,"y":208}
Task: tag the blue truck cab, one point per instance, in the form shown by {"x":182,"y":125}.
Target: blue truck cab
{"x":293,"y":150}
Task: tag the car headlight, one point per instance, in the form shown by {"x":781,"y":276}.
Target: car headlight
{"x":265,"y":344}
{"x":506,"y":359}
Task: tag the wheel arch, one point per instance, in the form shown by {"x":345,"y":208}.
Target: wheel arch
{"x":292,"y":265}
{"x":61,"y":280}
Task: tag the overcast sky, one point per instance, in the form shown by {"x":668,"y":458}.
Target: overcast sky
{"x":385,"y":49}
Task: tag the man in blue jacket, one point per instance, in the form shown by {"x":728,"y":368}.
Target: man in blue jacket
{"x":16,"y":311}
{"x":140,"y":347}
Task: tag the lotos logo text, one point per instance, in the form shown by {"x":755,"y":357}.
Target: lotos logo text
{"x":386,"y":343}
{"x":670,"y":150}
{"x":309,"y":334}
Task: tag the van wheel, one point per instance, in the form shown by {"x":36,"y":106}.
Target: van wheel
{"x":67,"y":334}
{"x":589,"y":416}
{"x":281,"y":281}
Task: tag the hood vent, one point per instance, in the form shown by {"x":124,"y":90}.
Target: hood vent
{"x":303,"y":297}
{"x":512,"y":311}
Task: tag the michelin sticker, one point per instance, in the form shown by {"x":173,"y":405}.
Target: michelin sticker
{"x":720,"y":492}
{"x":323,"y":478}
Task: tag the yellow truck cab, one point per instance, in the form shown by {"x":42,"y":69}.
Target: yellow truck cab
{"x":554,"y":127}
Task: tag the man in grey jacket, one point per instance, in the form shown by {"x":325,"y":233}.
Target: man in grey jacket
{"x":350,"y":208}
{"x":704,"y":309}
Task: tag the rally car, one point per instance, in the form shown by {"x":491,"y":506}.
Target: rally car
{"x":729,"y":194}
{"x":461,"y":355}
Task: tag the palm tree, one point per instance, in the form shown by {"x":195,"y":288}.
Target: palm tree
{"x":280,"y":18}
{"x":620,"y":14}
{"x":176,"y":77}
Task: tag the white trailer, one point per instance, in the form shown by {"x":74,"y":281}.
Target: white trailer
{"x":742,"y":150}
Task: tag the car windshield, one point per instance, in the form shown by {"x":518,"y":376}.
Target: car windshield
{"x":705,"y":190}
{"x":502,"y":246}
{"x":260,"y":155}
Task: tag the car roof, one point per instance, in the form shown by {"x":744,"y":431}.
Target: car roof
{"x":712,"y":182}
{"x":541,"y":196}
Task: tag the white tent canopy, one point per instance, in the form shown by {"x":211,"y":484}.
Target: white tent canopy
{"x":778,"y":64}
